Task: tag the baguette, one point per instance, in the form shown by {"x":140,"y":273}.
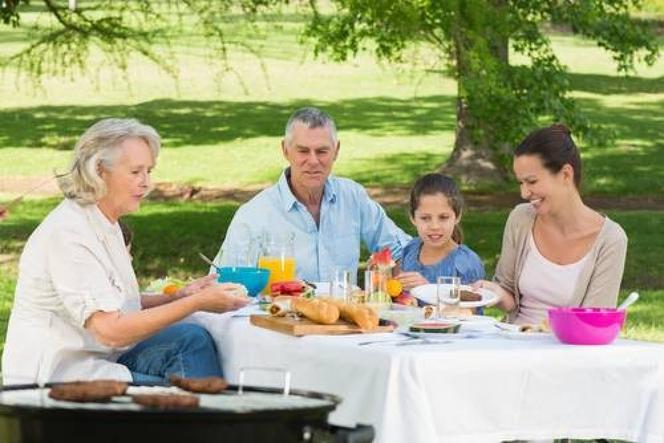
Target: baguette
{"x":363,"y":316}
{"x":318,"y":311}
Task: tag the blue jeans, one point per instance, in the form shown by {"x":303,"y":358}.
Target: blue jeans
{"x":183,"y":349}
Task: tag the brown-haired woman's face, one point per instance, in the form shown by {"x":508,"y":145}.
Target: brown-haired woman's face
{"x":538,"y":185}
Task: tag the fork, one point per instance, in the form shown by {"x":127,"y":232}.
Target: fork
{"x":391,"y":341}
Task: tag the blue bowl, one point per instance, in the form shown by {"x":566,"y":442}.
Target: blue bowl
{"x":254,"y":279}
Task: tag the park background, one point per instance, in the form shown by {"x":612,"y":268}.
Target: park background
{"x":221,"y":125}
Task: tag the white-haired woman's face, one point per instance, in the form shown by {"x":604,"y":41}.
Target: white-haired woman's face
{"x":128,"y":180}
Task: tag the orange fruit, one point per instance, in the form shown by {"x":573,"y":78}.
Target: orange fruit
{"x":171,"y":289}
{"x":394,"y":287}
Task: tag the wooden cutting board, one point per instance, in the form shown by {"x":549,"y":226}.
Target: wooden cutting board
{"x":304,"y":326}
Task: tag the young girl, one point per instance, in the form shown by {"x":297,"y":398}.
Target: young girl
{"x":435,"y":209}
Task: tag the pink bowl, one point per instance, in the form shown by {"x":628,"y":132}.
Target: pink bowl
{"x":586,"y":326}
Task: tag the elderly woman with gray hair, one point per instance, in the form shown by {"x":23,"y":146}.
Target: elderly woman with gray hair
{"x":77,"y":312}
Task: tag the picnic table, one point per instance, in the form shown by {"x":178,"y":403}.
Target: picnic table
{"x":480,"y":385}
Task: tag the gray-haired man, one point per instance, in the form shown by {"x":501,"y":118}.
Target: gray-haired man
{"x":329,"y":215}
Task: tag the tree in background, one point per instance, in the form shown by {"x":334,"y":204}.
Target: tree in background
{"x":65,"y":33}
{"x":497,"y":101}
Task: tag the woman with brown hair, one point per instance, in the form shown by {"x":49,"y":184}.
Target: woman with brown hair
{"x":556,"y":250}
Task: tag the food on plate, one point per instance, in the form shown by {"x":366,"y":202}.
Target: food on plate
{"x":166,"y":286}
{"x":406,"y":299}
{"x":318,"y":311}
{"x":362,"y":315}
{"x":281,"y":306}
{"x":206,"y":385}
{"x":88,"y":391}
{"x":467,"y":295}
{"x":435,"y":327}
{"x":295,"y":288}
{"x":238,"y":290}
{"x":543,"y":326}
{"x":166,"y":401}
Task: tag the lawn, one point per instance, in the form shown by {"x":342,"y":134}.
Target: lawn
{"x":396,"y":122}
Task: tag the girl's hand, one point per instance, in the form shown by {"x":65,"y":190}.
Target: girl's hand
{"x":197,"y":285}
{"x":411,"y":279}
{"x":221,"y":297}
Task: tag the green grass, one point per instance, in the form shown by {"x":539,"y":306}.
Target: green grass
{"x":170,"y":235}
{"x":396,"y":121}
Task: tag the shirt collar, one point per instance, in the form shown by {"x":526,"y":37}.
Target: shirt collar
{"x":102,"y":225}
{"x":288,"y":198}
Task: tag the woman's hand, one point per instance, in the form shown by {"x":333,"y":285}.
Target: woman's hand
{"x":197,"y":285}
{"x":411,"y":279}
{"x":221,"y":297}
{"x":505,"y":300}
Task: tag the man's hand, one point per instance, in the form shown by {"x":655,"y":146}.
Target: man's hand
{"x":411,"y":279}
{"x":4,"y":213}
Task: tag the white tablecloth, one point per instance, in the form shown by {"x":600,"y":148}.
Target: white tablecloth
{"x":487,"y":388}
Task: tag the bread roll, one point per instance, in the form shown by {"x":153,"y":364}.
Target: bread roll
{"x":316,"y":310}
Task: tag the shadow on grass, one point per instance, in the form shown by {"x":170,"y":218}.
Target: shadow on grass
{"x":395,"y":169}
{"x":632,"y":166}
{"x":184,"y":123}
{"x":610,"y":84}
{"x":169,"y":236}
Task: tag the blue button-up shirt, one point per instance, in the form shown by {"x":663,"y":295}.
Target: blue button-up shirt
{"x":347,"y":216}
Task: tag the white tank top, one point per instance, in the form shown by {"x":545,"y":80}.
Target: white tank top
{"x":544,"y":284}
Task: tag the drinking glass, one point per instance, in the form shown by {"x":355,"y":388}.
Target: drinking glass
{"x":278,"y":255}
{"x":375,"y":287}
{"x":340,"y":285}
{"x":448,"y":294}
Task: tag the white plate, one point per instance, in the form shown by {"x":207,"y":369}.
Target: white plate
{"x":512,"y":332}
{"x":428,"y":294}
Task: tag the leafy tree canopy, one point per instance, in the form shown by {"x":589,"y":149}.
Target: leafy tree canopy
{"x":498,"y":102}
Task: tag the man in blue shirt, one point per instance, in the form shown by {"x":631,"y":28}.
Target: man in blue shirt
{"x":328,"y":215}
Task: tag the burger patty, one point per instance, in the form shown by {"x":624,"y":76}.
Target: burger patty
{"x":166,"y":401}
{"x":88,"y":391}
{"x":205,"y":385}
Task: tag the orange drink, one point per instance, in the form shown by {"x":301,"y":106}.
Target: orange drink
{"x":281,"y":268}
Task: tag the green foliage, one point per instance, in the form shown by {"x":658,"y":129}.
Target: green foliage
{"x":62,"y":40}
{"x":504,"y":101}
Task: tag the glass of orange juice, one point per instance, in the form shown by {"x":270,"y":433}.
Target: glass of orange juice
{"x":278,"y":256}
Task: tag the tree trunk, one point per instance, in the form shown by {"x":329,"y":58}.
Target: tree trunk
{"x":476,"y":157}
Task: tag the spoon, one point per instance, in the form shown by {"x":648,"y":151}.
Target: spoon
{"x":631,"y":298}
{"x":209,"y":262}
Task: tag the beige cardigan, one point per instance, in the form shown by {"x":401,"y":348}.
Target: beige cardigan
{"x":599,"y":281}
